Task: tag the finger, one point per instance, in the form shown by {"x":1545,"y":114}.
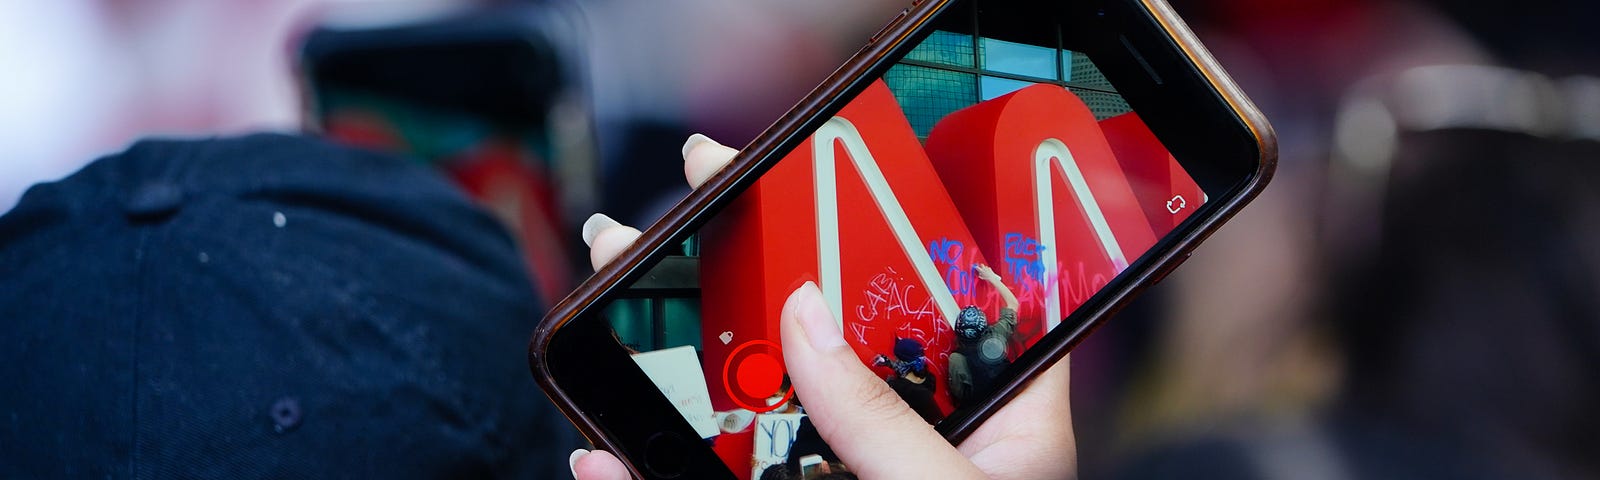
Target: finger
{"x":606,"y":238}
{"x":596,"y":465}
{"x":704,"y":157}
{"x":1054,"y":385}
{"x":1039,"y":420}
{"x":871,"y":429}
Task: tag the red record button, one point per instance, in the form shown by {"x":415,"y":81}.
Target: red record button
{"x":753,"y":373}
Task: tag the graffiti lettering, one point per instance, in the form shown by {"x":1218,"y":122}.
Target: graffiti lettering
{"x":1078,"y":285}
{"x":959,"y":280}
{"x":861,"y":332}
{"x":893,"y":302}
{"x":1024,"y":260}
{"x":879,"y":290}
{"x":886,"y":295}
{"x":945,"y":250}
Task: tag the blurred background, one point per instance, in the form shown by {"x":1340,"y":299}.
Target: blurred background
{"x":1415,"y":295}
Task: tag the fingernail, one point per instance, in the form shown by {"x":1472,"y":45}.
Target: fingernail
{"x":572,"y":461}
{"x":818,"y":323}
{"x":594,"y":225}
{"x":694,"y":141}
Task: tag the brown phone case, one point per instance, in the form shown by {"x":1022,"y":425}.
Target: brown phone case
{"x":790,"y":125}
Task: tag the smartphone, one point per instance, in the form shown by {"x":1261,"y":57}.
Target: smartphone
{"x":974,"y":192}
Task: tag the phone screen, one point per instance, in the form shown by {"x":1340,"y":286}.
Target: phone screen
{"x":953,"y":214}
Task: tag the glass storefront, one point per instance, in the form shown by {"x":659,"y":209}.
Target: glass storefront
{"x":951,"y":71}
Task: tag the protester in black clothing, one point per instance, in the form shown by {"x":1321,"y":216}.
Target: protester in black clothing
{"x":267,"y":306}
{"x":982,"y":350}
{"x":911,"y":379}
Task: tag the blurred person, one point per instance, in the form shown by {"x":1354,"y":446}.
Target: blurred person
{"x":1242,"y":337}
{"x":1468,"y":335}
{"x":265,"y":306}
{"x":1477,"y":339}
{"x":1237,"y":333}
{"x":1459,"y":288}
{"x":911,"y":379}
{"x":1483,"y":333}
{"x":983,"y":350}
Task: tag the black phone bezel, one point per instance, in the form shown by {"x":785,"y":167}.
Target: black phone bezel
{"x":1152,"y":60}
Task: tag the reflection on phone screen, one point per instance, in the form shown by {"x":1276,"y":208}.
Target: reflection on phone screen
{"x":953,"y":214}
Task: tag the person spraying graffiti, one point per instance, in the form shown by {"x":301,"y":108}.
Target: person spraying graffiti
{"x":982,"y":350}
{"x":911,"y":379}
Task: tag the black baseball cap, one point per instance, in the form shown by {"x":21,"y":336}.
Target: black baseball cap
{"x":267,"y":306}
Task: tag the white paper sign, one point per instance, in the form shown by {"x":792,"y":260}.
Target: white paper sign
{"x":676,"y":371}
{"x":774,"y":436}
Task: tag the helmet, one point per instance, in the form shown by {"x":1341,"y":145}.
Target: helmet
{"x":971,"y":323}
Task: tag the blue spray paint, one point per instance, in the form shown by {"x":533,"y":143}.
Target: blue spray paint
{"x":948,"y":254}
{"x":1024,"y":259}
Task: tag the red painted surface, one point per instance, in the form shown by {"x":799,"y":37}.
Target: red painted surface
{"x":1155,"y":176}
{"x":735,"y":451}
{"x":765,"y":245}
{"x":985,"y":154}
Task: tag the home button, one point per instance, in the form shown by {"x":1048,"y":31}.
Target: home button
{"x":666,"y":455}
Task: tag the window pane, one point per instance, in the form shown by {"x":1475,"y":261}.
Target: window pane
{"x":691,"y":247}
{"x":631,"y":319}
{"x":1083,"y":72}
{"x":1019,"y":59}
{"x":992,"y":87}
{"x":948,"y":48}
{"x":1066,"y":64}
{"x":1104,"y":105}
{"x":928,"y":94}
{"x":683,"y":322}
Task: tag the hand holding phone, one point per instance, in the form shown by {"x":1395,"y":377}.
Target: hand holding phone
{"x":865,"y":422}
{"x":969,"y":197}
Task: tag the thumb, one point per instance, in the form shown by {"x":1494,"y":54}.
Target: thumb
{"x":596,"y":465}
{"x":871,"y":429}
